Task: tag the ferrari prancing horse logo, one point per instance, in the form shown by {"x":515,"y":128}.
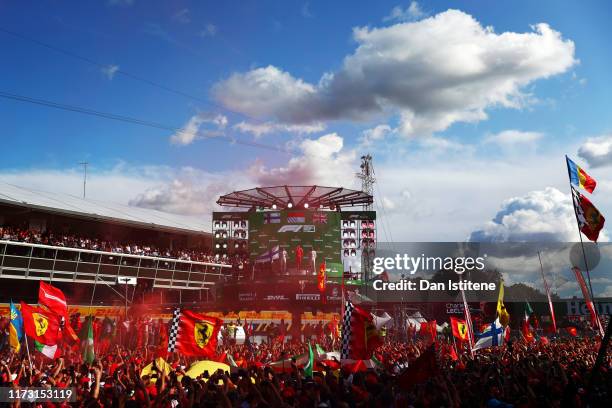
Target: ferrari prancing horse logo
{"x":41,"y":323}
{"x":203,"y":333}
{"x":462,"y":330}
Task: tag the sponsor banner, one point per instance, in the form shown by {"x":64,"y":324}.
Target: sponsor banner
{"x":334,"y":294}
{"x":275,"y":298}
{"x":308,"y":296}
{"x":247,"y":297}
{"x":579,"y":308}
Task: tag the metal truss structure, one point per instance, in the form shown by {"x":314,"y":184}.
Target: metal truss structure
{"x":296,"y":197}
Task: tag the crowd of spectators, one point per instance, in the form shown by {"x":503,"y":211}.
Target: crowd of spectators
{"x":558,"y":373}
{"x":47,"y":237}
{"x":522,"y":375}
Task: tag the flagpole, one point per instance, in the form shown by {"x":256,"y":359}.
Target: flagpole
{"x":550,"y":305}
{"x":28,"y":350}
{"x":586,"y":265}
{"x":468,"y":320}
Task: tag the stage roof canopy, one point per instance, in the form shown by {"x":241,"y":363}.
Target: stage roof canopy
{"x":296,"y":197}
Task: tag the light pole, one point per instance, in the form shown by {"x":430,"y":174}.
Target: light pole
{"x":84,"y":164}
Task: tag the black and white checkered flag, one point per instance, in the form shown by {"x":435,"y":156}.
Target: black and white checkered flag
{"x":345,"y":341}
{"x":173,"y":330}
{"x":580,"y":217}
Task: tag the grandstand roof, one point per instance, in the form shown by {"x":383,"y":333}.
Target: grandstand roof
{"x":96,"y":210}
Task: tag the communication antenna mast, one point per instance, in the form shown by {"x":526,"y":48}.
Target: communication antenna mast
{"x":367,"y":178}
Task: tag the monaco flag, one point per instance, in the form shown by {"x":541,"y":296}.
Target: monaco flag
{"x":41,"y":325}
{"x":193,"y":334}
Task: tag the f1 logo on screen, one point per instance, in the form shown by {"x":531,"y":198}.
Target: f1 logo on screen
{"x":297,"y":228}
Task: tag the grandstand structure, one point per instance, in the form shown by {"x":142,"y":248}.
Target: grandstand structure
{"x":80,"y":270}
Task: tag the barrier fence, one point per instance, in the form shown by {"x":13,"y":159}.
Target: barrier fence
{"x":21,"y":260}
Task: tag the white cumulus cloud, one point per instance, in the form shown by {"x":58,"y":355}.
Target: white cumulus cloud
{"x":321,"y":161}
{"x":543,"y":215}
{"x":597,"y":151}
{"x":260,"y":129}
{"x":192,"y":129}
{"x":378,"y":133}
{"x":411,"y":13}
{"x":512,"y":137}
{"x":431,"y":73}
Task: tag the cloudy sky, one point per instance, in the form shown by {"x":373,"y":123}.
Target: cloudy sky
{"x":468,"y":108}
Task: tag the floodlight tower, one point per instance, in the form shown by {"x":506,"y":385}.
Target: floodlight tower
{"x":367,"y":186}
{"x":367,"y":178}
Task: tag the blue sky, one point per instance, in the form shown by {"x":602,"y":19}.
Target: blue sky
{"x":443,"y":172}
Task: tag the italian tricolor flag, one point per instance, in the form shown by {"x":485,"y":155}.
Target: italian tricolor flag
{"x":48,"y":351}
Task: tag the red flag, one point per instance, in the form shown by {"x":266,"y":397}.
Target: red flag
{"x":453,"y":353}
{"x":420,"y":370}
{"x":526,"y":331}
{"x":222,"y":357}
{"x":459,"y":328}
{"x":384,"y":276}
{"x":587,"y":299}
{"x":39,"y":324}
{"x":590,"y":220}
{"x":196,"y":334}
{"x":429,"y":329}
{"x":433,"y":330}
{"x":363,"y":338}
{"x":448,"y":350}
{"x":52,"y":298}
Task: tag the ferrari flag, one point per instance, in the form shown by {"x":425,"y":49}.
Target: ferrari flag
{"x":460,"y":330}
{"x":40,"y":325}
{"x":193,"y":334}
{"x":590,"y":220}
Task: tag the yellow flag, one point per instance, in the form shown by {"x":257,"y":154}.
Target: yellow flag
{"x":502,"y":313}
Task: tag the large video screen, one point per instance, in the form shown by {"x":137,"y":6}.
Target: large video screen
{"x":276,"y":236}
